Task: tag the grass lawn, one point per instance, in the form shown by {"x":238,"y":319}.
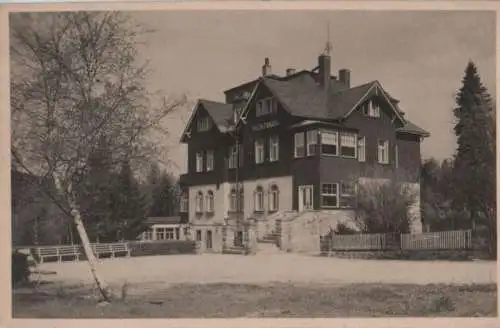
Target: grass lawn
{"x":267,"y":300}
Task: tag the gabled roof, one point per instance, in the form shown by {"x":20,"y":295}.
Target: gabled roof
{"x":302,"y":96}
{"x":221,"y":114}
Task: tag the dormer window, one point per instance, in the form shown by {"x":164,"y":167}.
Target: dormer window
{"x":266,"y":106}
{"x":204,"y":124}
{"x":371,"y":109}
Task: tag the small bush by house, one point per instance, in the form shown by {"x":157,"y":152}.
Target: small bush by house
{"x":169,"y":247}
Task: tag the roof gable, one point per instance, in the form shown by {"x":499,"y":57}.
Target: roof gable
{"x":220,"y":113}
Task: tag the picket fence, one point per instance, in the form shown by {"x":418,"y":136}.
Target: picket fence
{"x":442,"y":240}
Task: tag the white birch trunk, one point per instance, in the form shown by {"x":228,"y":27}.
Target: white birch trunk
{"x":80,"y":228}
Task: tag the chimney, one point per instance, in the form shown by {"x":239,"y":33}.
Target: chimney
{"x":266,"y":69}
{"x":324,"y":65}
{"x":290,"y":71}
{"x":345,"y":77}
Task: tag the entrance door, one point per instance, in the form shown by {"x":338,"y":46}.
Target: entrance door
{"x":238,"y":238}
{"x":209,"y":239}
{"x":305,"y":195}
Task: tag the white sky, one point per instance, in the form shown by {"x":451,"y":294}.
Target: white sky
{"x":419,"y":57}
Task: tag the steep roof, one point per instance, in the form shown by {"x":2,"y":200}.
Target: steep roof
{"x":220,"y":112}
{"x":301,"y":96}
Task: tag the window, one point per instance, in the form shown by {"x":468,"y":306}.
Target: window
{"x":210,"y":201}
{"x":371,"y":109}
{"x":274,"y":198}
{"x":266,"y":106}
{"x":204,"y":124}
{"x":274,"y":148}
{"x":312,"y":142}
{"x":165,"y":234}
{"x":306,"y":199}
{"x":347,"y":194}
{"x":235,"y":203}
{"x":383,"y":152}
{"x":348,"y":145}
{"x":329,"y":195}
{"x":210,"y":160}
{"x":329,"y":143}
{"x":199,"y":161}
{"x":396,"y":156}
{"x":259,"y":199}
{"x":361,"y":149}
{"x":147,"y":235}
{"x":259,"y":151}
{"x":299,"y":144}
{"x":234,"y":150}
{"x":233,"y":200}
{"x":199,"y":202}
{"x":198,"y":235}
{"x":184,"y":202}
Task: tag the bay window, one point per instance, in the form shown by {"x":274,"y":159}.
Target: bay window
{"x":329,"y":143}
{"x":299,"y":144}
{"x":312,"y":142}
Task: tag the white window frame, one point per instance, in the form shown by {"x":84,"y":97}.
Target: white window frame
{"x":371,"y":109}
{"x":259,"y":151}
{"x":184,"y":203}
{"x":259,"y":199}
{"x":328,"y":194}
{"x":383,"y":151}
{"x":147,"y":234}
{"x":312,"y":142}
{"x":348,"y":140}
{"x":346,"y":194}
{"x":199,"y":161}
{"x":299,"y":144}
{"x":266,"y":106}
{"x":362,"y":149}
{"x":210,"y":160}
{"x":233,"y":200}
{"x":204,"y":124}
{"x":334,"y":142}
{"x":210,"y":202}
{"x":199,"y":202}
{"x":274,"y":148}
{"x":274,"y":195}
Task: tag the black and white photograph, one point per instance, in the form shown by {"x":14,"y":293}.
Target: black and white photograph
{"x":264,"y":163}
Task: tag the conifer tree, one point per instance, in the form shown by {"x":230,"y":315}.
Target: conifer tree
{"x":474,"y":165}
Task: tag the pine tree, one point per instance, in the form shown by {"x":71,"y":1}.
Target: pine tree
{"x":164,"y":197}
{"x":128,"y":210}
{"x":474,"y":165}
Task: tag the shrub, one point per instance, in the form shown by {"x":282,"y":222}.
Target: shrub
{"x":20,"y":268}
{"x":343,"y":229}
{"x":167,"y":247}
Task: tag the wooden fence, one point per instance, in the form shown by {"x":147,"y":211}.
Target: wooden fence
{"x":443,"y":240}
{"x":457,"y":239}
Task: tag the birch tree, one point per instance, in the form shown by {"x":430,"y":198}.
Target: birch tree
{"x":76,"y":79}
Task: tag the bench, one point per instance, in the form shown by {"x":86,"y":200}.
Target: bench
{"x":120,"y":248}
{"x":111,"y":249}
{"x":58,"y":252}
